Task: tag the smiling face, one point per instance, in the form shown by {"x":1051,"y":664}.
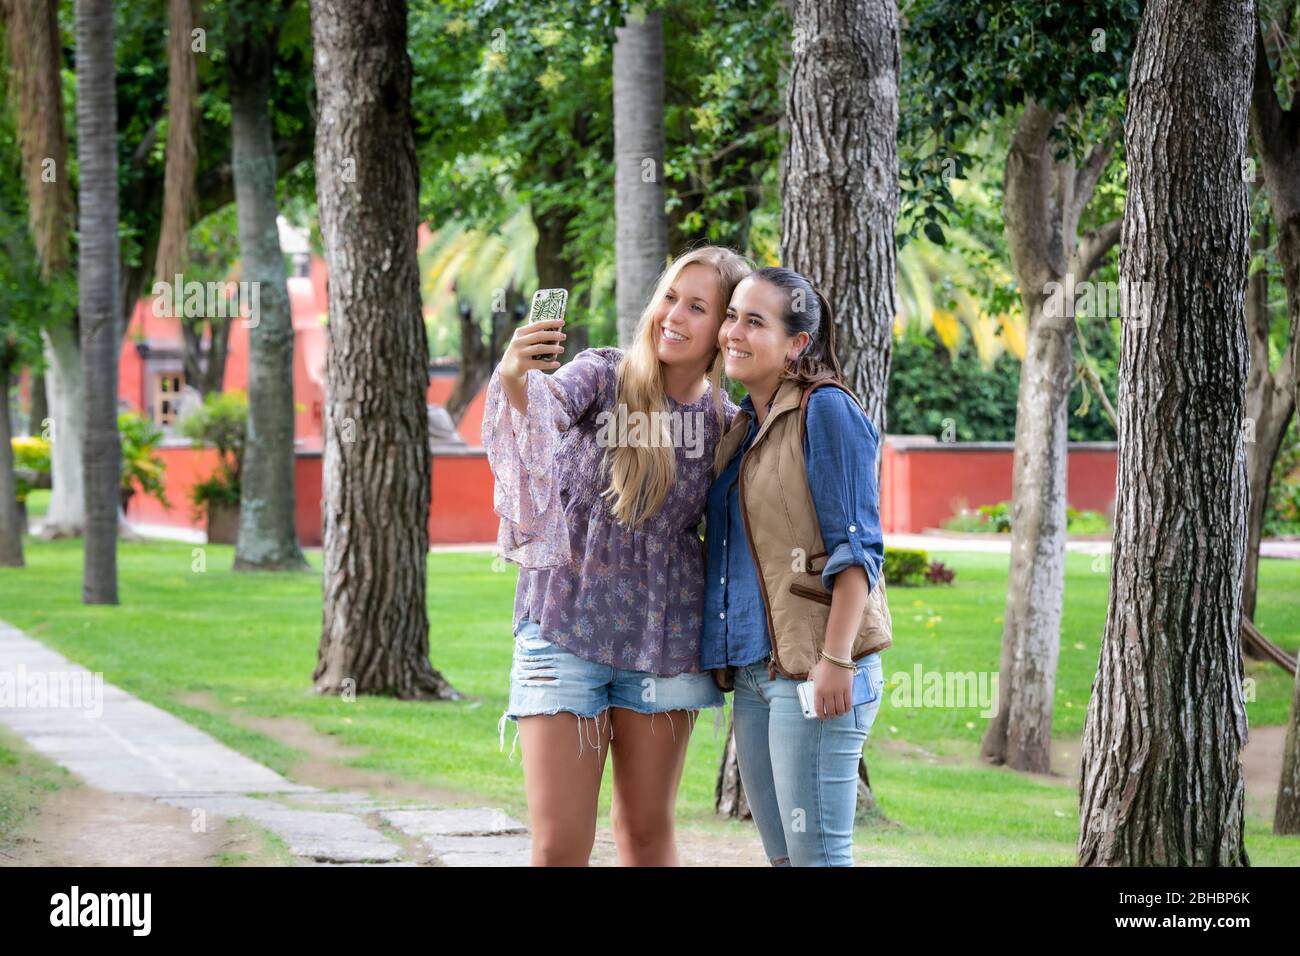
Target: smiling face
{"x":754,"y":343}
{"x":685,"y":319}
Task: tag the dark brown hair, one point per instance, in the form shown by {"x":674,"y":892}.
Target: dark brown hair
{"x":806,"y":310}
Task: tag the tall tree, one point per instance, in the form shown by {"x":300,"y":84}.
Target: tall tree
{"x":377,"y":468}
{"x":268,"y":537}
{"x":969,"y":61}
{"x":1043,"y":201}
{"x":642,"y":225}
{"x":839,"y":177}
{"x":98,"y":271}
{"x":35,"y":59}
{"x":1276,"y":132}
{"x":1161,"y":781}
{"x":1269,"y":406}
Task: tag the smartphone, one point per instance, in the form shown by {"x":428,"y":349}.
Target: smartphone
{"x":861,"y":693}
{"x":548,"y":304}
{"x":806,"y":699}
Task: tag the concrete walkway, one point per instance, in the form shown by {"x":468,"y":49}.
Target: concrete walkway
{"x":118,"y":743}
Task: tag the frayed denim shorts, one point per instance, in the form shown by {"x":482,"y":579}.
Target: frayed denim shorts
{"x":547,"y":679}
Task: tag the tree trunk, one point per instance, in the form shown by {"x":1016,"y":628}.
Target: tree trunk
{"x":268,"y":535}
{"x":1043,"y":201}
{"x":839,"y":187}
{"x":375,"y":631}
{"x":99,"y":305}
{"x":65,"y":388}
{"x":11,"y":522}
{"x":1277,"y":133}
{"x":40,"y":406}
{"x":1161,"y":780}
{"x":1020,"y":733}
{"x":839,"y":178}
{"x":729,"y":794}
{"x":205,"y":366}
{"x":641,"y":233}
{"x":1269,"y":403}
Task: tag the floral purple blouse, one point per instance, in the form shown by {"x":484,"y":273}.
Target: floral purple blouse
{"x":627,"y":598}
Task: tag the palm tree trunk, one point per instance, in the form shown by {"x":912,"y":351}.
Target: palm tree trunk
{"x":100,"y":305}
{"x":641,"y":235}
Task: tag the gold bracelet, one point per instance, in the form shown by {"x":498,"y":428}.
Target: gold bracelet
{"x":839,"y":661}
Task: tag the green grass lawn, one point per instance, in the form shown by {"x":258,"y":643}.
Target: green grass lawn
{"x":250,"y":641}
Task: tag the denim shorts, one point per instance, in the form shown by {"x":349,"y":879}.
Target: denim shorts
{"x":547,"y":679}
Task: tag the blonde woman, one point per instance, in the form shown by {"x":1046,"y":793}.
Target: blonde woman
{"x":602,"y":470}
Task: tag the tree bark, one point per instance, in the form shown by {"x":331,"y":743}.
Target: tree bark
{"x":1277,"y":133}
{"x":1042,"y":202}
{"x":729,"y":794}
{"x":99,"y":276}
{"x":40,"y":406}
{"x":1269,"y":403}
{"x":1161,"y":781}
{"x":839,"y":178}
{"x":11,"y":525}
{"x":65,"y":388}
{"x":375,"y":629}
{"x":641,"y":231}
{"x":268,"y":535}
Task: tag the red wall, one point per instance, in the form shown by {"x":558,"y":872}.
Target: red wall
{"x":460,"y":510}
{"x":925,"y":482}
{"x":922,"y":484}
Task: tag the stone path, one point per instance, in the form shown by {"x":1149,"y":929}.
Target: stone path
{"x":119,"y":744}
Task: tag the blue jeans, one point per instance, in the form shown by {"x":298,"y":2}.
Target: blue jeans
{"x":800,"y":774}
{"x":547,"y":679}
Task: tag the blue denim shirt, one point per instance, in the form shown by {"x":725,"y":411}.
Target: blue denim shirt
{"x":840,"y":447}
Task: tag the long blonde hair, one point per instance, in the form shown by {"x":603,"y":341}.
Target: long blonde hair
{"x":641,"y":476}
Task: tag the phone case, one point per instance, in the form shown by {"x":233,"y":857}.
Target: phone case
{"x":806,"y":699}
{"x":548,"y":304}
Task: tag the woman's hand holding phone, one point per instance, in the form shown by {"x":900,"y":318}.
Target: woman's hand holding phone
{"x":534,"y":346}
{"x":832,"y":689}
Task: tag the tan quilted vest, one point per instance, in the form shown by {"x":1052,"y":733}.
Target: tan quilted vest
{"x":781,"y":524}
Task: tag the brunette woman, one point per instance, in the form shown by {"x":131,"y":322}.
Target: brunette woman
{"x":794,"y":586}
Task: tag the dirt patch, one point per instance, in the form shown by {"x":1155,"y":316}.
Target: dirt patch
{"x":84,"y":826}
{"x":323,"y":765}
{"x":1261,"y":762}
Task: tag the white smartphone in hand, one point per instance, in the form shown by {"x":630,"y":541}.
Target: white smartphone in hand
{"x":807,"y":700}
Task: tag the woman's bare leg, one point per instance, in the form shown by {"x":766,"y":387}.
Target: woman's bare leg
{"x":563,"y":760}
{"x":649,"y":755}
